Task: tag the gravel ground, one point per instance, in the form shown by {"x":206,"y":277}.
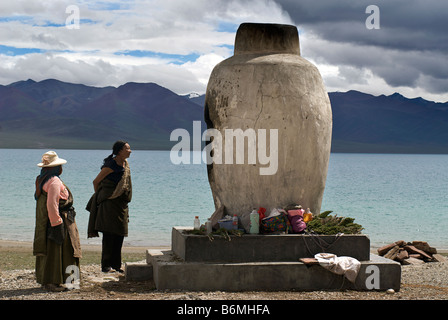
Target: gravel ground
{"x":419,"y":282}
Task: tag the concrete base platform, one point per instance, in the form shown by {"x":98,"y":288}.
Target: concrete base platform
{"x":261,"y":263}
{"x":260,"y":248}
{"x":170,"y":272}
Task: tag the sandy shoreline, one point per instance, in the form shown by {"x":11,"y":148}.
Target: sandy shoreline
{"x":25,"y":245}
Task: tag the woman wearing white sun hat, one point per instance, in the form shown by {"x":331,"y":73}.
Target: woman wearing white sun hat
{"x":56,"y":239}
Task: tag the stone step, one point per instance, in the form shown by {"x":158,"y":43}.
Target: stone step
{"x":170,"y":272}
{"x":138,"y":271}
{"x":264,"y":248}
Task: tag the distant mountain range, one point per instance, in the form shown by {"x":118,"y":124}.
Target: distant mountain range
{"x":55,"y":114}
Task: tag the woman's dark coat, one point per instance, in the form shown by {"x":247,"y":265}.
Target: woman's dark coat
{"x":108,"y":215}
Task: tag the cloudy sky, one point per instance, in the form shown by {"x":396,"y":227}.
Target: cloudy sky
{"x":177,"y":43}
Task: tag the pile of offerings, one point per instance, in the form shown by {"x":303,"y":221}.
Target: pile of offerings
{"x":292,"y":219}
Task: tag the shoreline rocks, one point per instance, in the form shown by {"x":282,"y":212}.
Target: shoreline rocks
{"x":415,"y":252}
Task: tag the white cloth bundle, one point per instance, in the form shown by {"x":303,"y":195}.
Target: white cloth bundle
{"x":347,"y":266}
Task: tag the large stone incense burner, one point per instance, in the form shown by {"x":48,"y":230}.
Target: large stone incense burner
{"x":277,"y":102}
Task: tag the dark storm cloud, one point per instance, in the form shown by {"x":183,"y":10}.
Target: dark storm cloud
{"x":405,"y":24}
{"x":410,"y":48}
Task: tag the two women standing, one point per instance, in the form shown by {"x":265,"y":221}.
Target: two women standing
{"x":56,"y":241}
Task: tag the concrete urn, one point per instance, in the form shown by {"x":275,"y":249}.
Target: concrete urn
{"x":269,"y":124}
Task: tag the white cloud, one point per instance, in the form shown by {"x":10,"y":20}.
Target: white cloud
{"x":88,"y":54}
{"x":203,"y":66}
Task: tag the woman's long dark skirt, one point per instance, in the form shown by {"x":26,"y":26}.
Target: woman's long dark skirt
{"x":51,"y":269}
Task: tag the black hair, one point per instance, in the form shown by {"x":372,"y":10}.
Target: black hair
{"x":116,"y":148}
{"x":46,"y":173}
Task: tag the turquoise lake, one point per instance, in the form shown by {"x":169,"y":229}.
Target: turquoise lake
{"x":393,"y":196}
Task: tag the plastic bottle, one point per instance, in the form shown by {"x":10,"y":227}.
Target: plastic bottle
{"x":254,"y":222}
{"x":307,"y":216}
{"x":208,"y":226}
{"x":235,"y":222}
{"x":197,"y":223}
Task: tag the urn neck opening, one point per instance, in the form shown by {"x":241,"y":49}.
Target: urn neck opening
{"x":266,"y":38}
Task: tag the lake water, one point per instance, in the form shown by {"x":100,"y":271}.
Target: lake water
{"x":394,"y":197}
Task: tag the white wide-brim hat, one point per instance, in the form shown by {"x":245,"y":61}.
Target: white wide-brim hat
{"x":51,"y":159}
